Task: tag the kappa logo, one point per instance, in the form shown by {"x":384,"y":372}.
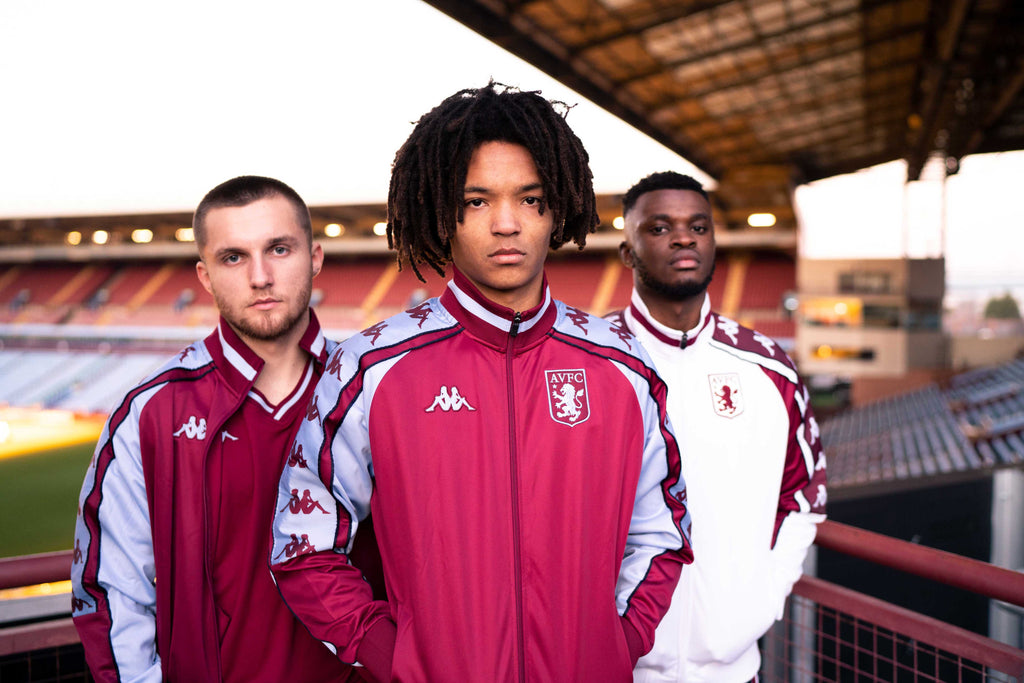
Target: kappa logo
{"x":820,"y":465}
{"x":312,"y":410}
{"x":449,"y":401}
{"x":304,"y":505}
{"x":193,"y":429}
{"x":296,"y":546}
{"x":568,"y":399}
{"x":421,"y":313}
{"x":78,"y":604}
{"x":821,"y":498}
{"x":374,"y":332}
{"x":578,"y":318}
{"x":185,"y":352}
{"x":77,"y":557}
{"x":730,"y":327}
{"x":812,"y":427}
{"x":227,"y":436}
{"x":680,"y":497}
{"x":619,"y":328}
{"x":334,"y":364}
{"x":766,"y":342}
{"x":296,"y":459}
{"x":726,"y":396}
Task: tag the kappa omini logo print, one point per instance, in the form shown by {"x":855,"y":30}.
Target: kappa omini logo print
{"x":449,"y":400}
{"x":304,"y":505}
{"x":193,"y":429}
{"x":297,"y":546}
{"x":726,"y":394}
{"x":568,"y":398}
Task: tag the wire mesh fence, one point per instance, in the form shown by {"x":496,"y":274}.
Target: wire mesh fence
{"x":831,"y":633}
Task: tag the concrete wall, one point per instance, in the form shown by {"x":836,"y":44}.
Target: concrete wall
{"x":972,"y":352}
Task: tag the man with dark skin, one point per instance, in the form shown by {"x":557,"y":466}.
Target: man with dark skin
{"x":754,"y":468}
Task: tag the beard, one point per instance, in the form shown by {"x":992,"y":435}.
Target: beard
{"x":672,"y":291}
{"x":263,"y":327}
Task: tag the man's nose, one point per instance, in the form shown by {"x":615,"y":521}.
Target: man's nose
{"x":260,"y":273}
{"x":682,"y":236}
{"x":506,"y":220}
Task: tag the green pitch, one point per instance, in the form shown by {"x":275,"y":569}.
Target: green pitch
{"x":39,"y":499}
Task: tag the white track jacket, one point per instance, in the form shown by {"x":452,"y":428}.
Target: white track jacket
{"x":755,"y":480}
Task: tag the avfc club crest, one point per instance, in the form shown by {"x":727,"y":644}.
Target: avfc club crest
{"x":568,"y":400}
{"x":726,"y":395}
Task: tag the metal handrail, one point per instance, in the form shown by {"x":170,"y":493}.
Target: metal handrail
{"x":28,"y":570}
{"x":945,"y":567}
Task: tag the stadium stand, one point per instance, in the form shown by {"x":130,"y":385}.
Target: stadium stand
{"x":975,"y":424}
{"x":141,"y":301}
{"x":769,"y":277}
{"x":81,"y":381}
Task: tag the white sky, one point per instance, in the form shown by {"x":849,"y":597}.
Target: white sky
{"x":118,"y":106}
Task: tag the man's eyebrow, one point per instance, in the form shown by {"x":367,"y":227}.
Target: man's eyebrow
{"x":282,"y":239}
{"x":272,"y":242}
{"x":477,"y":189}
{"x":666,"y":217}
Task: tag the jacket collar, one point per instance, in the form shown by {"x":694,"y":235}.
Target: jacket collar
{"x":240,"y":365}
{"x":637,"y":315}
{"x":492,"y":322}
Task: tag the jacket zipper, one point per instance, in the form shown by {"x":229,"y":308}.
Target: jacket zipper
{"x":208,"y":532}
{"x":518,"y":560}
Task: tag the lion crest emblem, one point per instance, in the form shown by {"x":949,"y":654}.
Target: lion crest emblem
{"x":568,"y":399}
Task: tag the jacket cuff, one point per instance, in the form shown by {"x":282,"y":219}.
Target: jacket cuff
{"x":634,"y":642}
{"x":377,"y":650}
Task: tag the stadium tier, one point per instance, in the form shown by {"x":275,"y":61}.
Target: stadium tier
{"x":78,"y":335}
{"x":976,"y":424}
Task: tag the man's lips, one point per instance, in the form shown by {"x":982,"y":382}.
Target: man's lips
{"x":506,"y":256}
{"x":685,"y":261}
{"x":264,"y":304}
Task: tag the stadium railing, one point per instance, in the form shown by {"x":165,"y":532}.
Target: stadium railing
{"x":830,"y":633}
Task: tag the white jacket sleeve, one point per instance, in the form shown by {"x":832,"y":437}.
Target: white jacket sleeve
{"x":113,"y":574}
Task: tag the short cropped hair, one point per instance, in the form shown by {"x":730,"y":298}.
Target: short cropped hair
{"x":663,"y":180}
{"x":245,"y":190}
{"x":428,"y":176}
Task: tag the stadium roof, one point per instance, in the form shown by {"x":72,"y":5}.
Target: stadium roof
{"x":764,"y":94}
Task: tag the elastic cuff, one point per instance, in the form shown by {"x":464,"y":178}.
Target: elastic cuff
{"x":377,"y":650}
{"x":633,"y":641}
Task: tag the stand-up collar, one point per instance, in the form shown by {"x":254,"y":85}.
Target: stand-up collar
{"x":492,"y":322}
{"x":638,"y":315}
{"x":241,"y":365}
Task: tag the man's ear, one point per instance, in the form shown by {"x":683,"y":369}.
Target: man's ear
{"x":318,"y":258}
{"x":203,"y":275}
{"x":626,"y":254}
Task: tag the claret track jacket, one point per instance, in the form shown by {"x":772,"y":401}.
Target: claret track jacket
{"x":524,"y":484}
{"x":143,"y":599}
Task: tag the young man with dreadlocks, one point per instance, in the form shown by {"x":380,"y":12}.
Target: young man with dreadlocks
{"x":514,"y":452}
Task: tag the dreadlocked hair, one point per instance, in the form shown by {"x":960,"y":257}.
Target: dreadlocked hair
{"x":425,"y":198}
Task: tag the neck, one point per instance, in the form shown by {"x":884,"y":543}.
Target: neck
{"x":679,"y":314}
{"x":283,"y":361}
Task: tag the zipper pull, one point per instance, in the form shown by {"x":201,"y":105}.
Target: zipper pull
{"x":515,"y":324}
{"x":682,"y":342}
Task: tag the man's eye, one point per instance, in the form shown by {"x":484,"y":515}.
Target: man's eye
{"x":232,"y":258}
{"x":280,"y":250}
{"x":475,"y":202}
{"x":700,"y":229}
{"x":534,"y":201}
